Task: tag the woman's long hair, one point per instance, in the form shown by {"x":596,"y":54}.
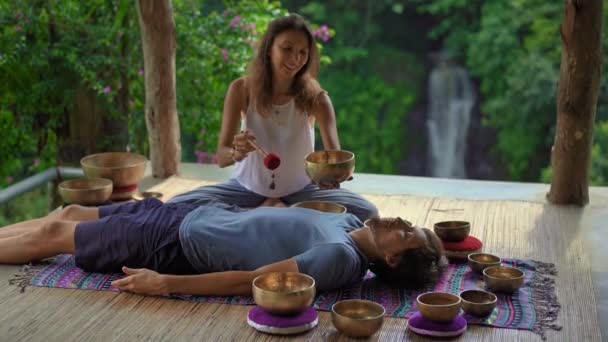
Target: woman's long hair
{"x":304,"y":87}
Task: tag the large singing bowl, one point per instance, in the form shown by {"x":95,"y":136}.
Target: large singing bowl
{"x":122,"y":168}
{"x":330,"y":167}
{"x":284,"y":293}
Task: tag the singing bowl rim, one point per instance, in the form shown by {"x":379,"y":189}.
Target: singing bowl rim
{"x":353,"y":300}
{"x":463,"y":224}
{"x":255,"y":281}
{"x":438,"y":306}
{"x":470,"y":257}
{"x":350,"y":159}
{"x":140,"y":160}
{"x":487,"y":273}
{"x":330,"y":203}
{"x":105,"y":183}
{"x":486,"y":293}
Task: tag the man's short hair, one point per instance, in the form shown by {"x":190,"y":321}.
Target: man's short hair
{"x":418,"y":267}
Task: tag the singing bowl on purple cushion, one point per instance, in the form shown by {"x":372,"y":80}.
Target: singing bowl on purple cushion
{"x":439,"y":306}
{"x":328,"y":167}
{"x":85,"y":191}
{"x":357,"y":317}
{"x":284,"y":293}
{"x":122,"y":168}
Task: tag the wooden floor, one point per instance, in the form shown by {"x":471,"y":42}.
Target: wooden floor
{"x":507,"y":228}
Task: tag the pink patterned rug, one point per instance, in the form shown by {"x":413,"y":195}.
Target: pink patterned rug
{"x":534,"y":307}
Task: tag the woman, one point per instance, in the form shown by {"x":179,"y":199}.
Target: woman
{"x":275,"y":107}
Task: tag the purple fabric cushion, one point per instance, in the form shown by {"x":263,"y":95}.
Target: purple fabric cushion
{"x":423,"y":326}
{"x":261,"y":317}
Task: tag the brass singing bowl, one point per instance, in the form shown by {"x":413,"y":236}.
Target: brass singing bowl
{"x":439,"y":306}
{"x":140,"y":196}
{"x":327,"y":207}
{"x":122,"y":168}
{"x":284,"y":293}
{"x":503,"y":278}
{"x":85,"y":191}
{"x":329,"y":167}
{"x":452,"y":231}
{"x":480,"y":261}
{"x":357,"y":317}
{"x":478,"y":302}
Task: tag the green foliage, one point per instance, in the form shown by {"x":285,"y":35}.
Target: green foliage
{"x":514,"y":49}
{"x":30,"y":205}
{"x":214,"y":47}
{"x":49,"y":49}
{"x":373,"y":81}
{"x":370,"y":119}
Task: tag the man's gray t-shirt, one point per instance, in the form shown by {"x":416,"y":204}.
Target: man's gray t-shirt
{"x":215,"y":239}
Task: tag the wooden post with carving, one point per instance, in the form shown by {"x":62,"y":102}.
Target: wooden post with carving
{"x":158,"y":42}
{"x":577,"y":94}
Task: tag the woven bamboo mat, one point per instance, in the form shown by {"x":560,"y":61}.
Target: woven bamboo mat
{"x":507,"y":228}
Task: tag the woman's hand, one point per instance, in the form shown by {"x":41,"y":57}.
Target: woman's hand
{"x":330,"y":185}
{"x":142,"y":281}
{"x":241,"y":146}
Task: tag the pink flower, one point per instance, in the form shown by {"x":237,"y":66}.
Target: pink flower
{"x":201,"y":157}
{"x":107,"y":89}
{"x":252,"y":26}
{"x":8,"y":179}
{"x":141,"y":71}
{"x":27,"y":20}
{"x":36,"y":162}
{"x":235,"y":21}
{"x":322,"y":33}
{"x":17,"y":28}
{"x":225,"y":55}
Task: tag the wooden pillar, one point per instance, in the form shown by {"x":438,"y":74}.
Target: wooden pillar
{"x":577,"y":94}
{"x":158,"y":42}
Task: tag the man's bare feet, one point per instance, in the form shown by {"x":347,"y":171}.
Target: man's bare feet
{"x":273,"y":202}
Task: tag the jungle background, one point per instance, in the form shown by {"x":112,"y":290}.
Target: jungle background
{"x":415,"y":84}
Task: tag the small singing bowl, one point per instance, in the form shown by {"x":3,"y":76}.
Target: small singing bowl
{"x":477,"y":302}
{"x":284,"y":293}
{"x":439,"y":306}
{"x":452,"y":231}
{"x":480,"y":261}
{"x":85,"y":191}
{"x":140,"y":196}
{"x":357,"y":318}
{"x":503,"y":278}
{"x":330,"y":167}
{"x":122,"y":168}
{"x":327,"y":207}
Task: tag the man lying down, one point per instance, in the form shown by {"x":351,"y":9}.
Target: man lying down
{"x":218,"y":250}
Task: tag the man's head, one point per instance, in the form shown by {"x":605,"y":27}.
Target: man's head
{"x":412,"y":256}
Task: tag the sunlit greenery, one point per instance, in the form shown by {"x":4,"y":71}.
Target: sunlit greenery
{"x":375,"y":68}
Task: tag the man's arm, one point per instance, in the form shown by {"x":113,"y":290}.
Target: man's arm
{"x":148,"y":282}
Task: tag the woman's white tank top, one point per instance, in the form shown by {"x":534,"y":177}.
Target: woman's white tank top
{"x":286,"y":132}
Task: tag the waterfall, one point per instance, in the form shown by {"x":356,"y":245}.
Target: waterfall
{"x":451,"y":99}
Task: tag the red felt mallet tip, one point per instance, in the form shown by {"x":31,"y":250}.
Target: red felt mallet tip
{"x":272,"y":161}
